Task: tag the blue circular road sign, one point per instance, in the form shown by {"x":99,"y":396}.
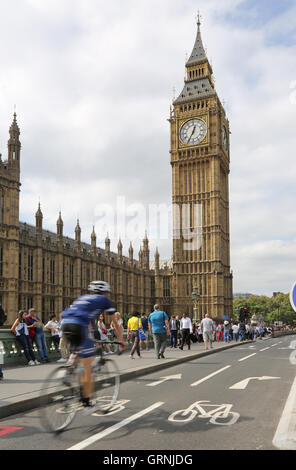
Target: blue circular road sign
{"x":293,"y":297}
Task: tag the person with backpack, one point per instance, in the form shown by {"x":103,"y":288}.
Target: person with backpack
{"x":144,"y":321}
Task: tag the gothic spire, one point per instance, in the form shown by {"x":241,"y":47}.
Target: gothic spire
{"x":198,"y":81}
{"x":198,"y":53}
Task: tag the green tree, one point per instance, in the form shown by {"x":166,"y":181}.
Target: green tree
{"x":272,"y":309}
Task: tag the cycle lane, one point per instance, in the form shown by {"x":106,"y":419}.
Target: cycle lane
{"x":200,"y":433}
{"x":154,"y":430}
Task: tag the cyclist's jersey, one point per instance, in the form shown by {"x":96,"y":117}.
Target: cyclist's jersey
{"x":86,"y":308}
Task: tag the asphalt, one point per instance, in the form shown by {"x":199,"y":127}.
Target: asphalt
{"x":21,"y":387}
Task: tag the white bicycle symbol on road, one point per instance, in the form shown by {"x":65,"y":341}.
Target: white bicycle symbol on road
{"x":221,"y":415}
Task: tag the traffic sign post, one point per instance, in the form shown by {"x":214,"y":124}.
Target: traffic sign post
{"x":293,"y":297}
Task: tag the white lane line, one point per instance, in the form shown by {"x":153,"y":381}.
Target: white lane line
{"x":247,"y":357}
{"x":209,"y":376}
{"x":285,"y":436}
{"x":91,"y":440}
{"x":265,"y":349}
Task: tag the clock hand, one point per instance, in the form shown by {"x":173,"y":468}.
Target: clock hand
{"x":191,"y":134}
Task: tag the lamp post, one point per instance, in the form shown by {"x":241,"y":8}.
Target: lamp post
{"x":195,"y":299}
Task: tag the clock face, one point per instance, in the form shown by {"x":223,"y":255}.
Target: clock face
{"x":224,"y":138}
{"x":193,"y":132}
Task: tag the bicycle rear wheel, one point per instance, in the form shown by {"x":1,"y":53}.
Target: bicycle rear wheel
{"x":59,"y":399}
{"x":106,"y":385}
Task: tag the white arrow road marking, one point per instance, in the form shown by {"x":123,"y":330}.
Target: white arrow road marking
{"x":165,"y":379}
{"x":244,"y":383}
{"x":209,"y":376}
{"x":292,"y":345}
{"x":285,"y":436}
{"x":91,"y":440}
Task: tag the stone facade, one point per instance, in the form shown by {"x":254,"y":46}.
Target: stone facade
{"x":49,"y":270}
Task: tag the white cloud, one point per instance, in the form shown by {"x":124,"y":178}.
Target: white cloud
{"x":93,"y":82}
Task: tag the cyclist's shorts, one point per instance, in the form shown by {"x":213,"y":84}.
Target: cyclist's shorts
{"x":78,"y":338}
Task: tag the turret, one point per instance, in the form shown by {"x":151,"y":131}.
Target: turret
{"x":77,"y":236}
{"x":39,"y":220}
{"x":93,"y":242}
{"x":119,"y":251}
{"x":60,"y":227}
{"x":146,"y":253}
{"x":14,"y":146}
{"x":107,"y":246}
{"x":131,"y":255}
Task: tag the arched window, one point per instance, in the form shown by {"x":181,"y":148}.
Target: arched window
{"x":2,"y":207}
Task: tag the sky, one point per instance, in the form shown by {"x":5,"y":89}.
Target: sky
{"x":93,"y":82}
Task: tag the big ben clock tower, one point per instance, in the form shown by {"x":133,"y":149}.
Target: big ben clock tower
{"x":200,"y":162}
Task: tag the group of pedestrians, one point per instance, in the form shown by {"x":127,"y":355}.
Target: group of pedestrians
{"x":140,"y":326}
{"x":29,"y":329}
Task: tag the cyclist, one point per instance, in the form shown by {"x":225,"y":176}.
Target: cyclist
{"x":78,"y":328}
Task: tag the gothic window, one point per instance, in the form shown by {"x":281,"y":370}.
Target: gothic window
{"x":52,"y":271}
{"x":166,"y":287}
{"x":52,"y":305}
{"x":115,"y":283}
{"x":87,"y":276}
{"x":152,"y":287}
{"x":2,"y":208}
{"x":64,"y":273}
{"x":71,"y":274}
{"x":20,"y":265}
{"x":29,"y":302}
{"x":30,"y":266}
{"x":1,"y":260}
{"x":43,"y":270}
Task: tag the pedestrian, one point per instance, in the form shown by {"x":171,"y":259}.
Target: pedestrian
{"x":3,"y":316}
{"x":235,"y":332}
{"x":33,"y":321}
{"x":20,"y":330}
{"x":103,"y":333}
{"x":145,"y":326}
{"x":173,"y":331}
{"x":133,"y":326}
{"x":199,"y":334}
{"x":261,"y":331}
{"x":242,"y":331}
{"x":226,"y":328}
{"x":53,"y":326}
{"x":186,"y":331}
{"x":219,"y":332}
{"x":64,"y":345}
{"x":119,"y":324}
{"x":214,"y":331}
{"x":207,"y":330}
{"x":159,"y":327}
{"x":179,"y":335}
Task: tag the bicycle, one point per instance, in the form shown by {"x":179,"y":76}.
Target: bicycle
{"x":61,"y":393}
{"x":221,"y":415}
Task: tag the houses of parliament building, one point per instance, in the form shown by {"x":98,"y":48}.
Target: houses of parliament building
{"x":48,"y":270}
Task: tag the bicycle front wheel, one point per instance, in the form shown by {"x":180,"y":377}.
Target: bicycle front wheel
{"x":59,"y":399}
{"x":106,"y":385}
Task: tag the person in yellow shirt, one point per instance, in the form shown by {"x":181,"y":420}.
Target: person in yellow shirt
{"x":133,"y":325}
